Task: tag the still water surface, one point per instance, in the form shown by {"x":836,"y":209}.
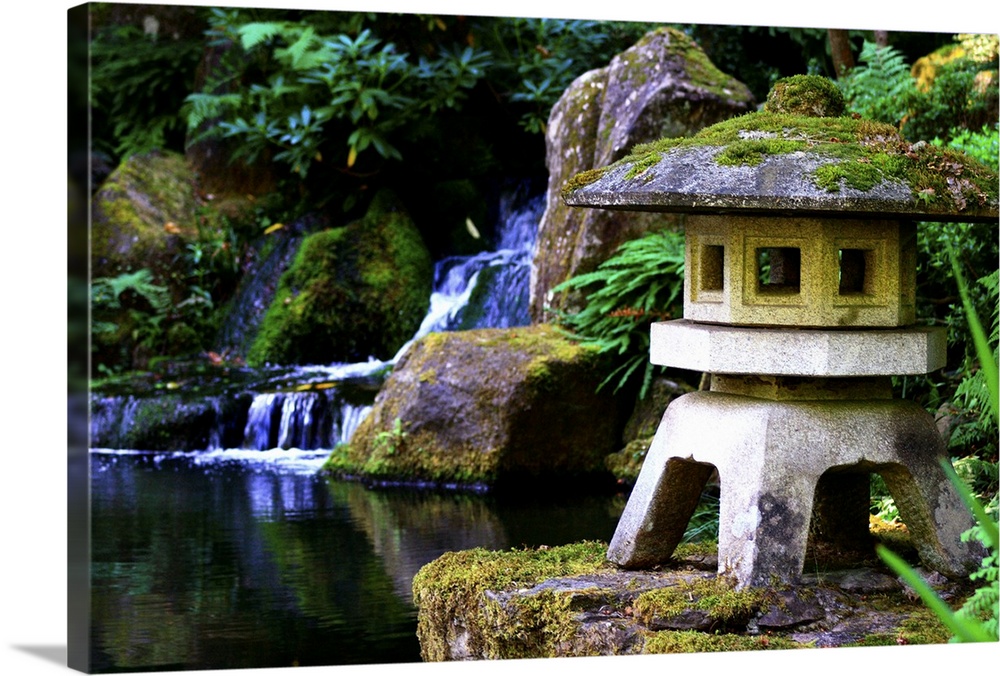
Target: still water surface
{"x":238,"y":559}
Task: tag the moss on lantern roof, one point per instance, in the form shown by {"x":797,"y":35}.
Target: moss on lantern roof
{"x":851,"y":152}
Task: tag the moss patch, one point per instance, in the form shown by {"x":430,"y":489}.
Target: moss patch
{"x":810,"y":95}
{"x":699,"y":642}
{"x":717,"y":597}
{"x":350,"y":293}
{"x":456,"y":584}
{"x":858,"y":153}
{"x":921,"y":627}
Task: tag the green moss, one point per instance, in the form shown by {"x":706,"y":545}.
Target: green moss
{"x":663,"y":642}
{"x":626,"y":463}
{"x":350,"y":293}
{"x":864,"y":154}
{"x":456,"y":585}
{"x":698,"y":642}
{"x":687,"y":550}
{"x":810,"y":95}
{"x":752,"y":152}
{"x":716,"y":596}
{"x":699,"y":68}
{"x":641,"y":165}
{"x":585,"y":178}
{"x":921,"y":627}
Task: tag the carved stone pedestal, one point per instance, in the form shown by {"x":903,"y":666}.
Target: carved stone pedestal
{"x":770,"y":455}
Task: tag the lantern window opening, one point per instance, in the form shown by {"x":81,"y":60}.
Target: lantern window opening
{"x":779,"y":270}
{"x":712,"y":268}
{"x":856,"y":271}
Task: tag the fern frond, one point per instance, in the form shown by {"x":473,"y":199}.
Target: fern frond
{"x":641,"y":283}
{"x":253,"y":34}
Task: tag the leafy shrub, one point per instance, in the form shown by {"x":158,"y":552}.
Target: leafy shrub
{"x":137,"y":86}
{"x":643,"y":282}
{"x":957,"y":98}
{"x":307,"y":85}
{"x":293,"y":85}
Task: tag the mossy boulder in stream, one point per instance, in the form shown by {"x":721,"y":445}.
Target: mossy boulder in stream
{"x":487,"y":406}
{"x":351,"y":293}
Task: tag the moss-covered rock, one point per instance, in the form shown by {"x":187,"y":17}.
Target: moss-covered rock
{"x":143,"y":215}
{"x":351,"y":293}
{"x":488,"y":405}
{"x":811,"y":95}
{"x":457,"y":603}
{"x":663,"y":85}
{"x":168,"y":421}
{"x":569,"y":601}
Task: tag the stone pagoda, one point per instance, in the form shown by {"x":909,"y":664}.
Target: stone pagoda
{"x":799,"y":300}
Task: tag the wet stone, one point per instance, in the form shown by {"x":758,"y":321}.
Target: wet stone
{"x":790,"y":609}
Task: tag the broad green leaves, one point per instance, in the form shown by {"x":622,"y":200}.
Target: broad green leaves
{"x":315,"y":87}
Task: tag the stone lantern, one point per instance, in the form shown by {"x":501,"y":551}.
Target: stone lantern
{"x":799,"y":300}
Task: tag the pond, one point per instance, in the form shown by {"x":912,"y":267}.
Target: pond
{"x":237,"y":559}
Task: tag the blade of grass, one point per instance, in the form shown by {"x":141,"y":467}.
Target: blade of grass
{"x":983,"y":352}
{"x":963,"y":631}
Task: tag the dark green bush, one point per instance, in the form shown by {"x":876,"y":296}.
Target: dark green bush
{"x":138,"y":83}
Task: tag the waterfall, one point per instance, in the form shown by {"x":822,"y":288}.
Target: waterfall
{"x":304,"y":420}
{"x":306,"y":408}
{"x":489,"y":289}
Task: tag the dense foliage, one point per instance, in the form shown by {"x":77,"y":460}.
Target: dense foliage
{"x":354,"y":91}
{"x":137,"y":87}
{"x":947,"y":98}
{"x":956,"y":90}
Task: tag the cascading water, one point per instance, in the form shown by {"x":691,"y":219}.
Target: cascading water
{"x":305,"y":409}
{"x":489,"y":289}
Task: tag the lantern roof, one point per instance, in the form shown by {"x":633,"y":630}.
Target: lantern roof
{"x":799,"y":155}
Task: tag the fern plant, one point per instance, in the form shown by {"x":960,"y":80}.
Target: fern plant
{"x":643,"y":282}
{"x":882,"y":88}
{"x":137,"y":85}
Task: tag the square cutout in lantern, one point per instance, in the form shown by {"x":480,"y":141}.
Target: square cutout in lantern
{"x":779,"y":270}
{"x":857,"y":271}
{"x":712,"y":268}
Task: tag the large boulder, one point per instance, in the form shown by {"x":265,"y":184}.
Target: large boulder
{"x":662,"y":86}
{"x":145,"y":218}
{"x":487,"y":406}
{"x":143,"y":215}
{"x":351,"y":293}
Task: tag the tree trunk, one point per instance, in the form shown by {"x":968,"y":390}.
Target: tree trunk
{"x":840,"y":51}
{"x":882,"y":38}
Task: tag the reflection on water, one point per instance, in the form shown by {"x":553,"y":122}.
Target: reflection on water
{"x":234,"y":560}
